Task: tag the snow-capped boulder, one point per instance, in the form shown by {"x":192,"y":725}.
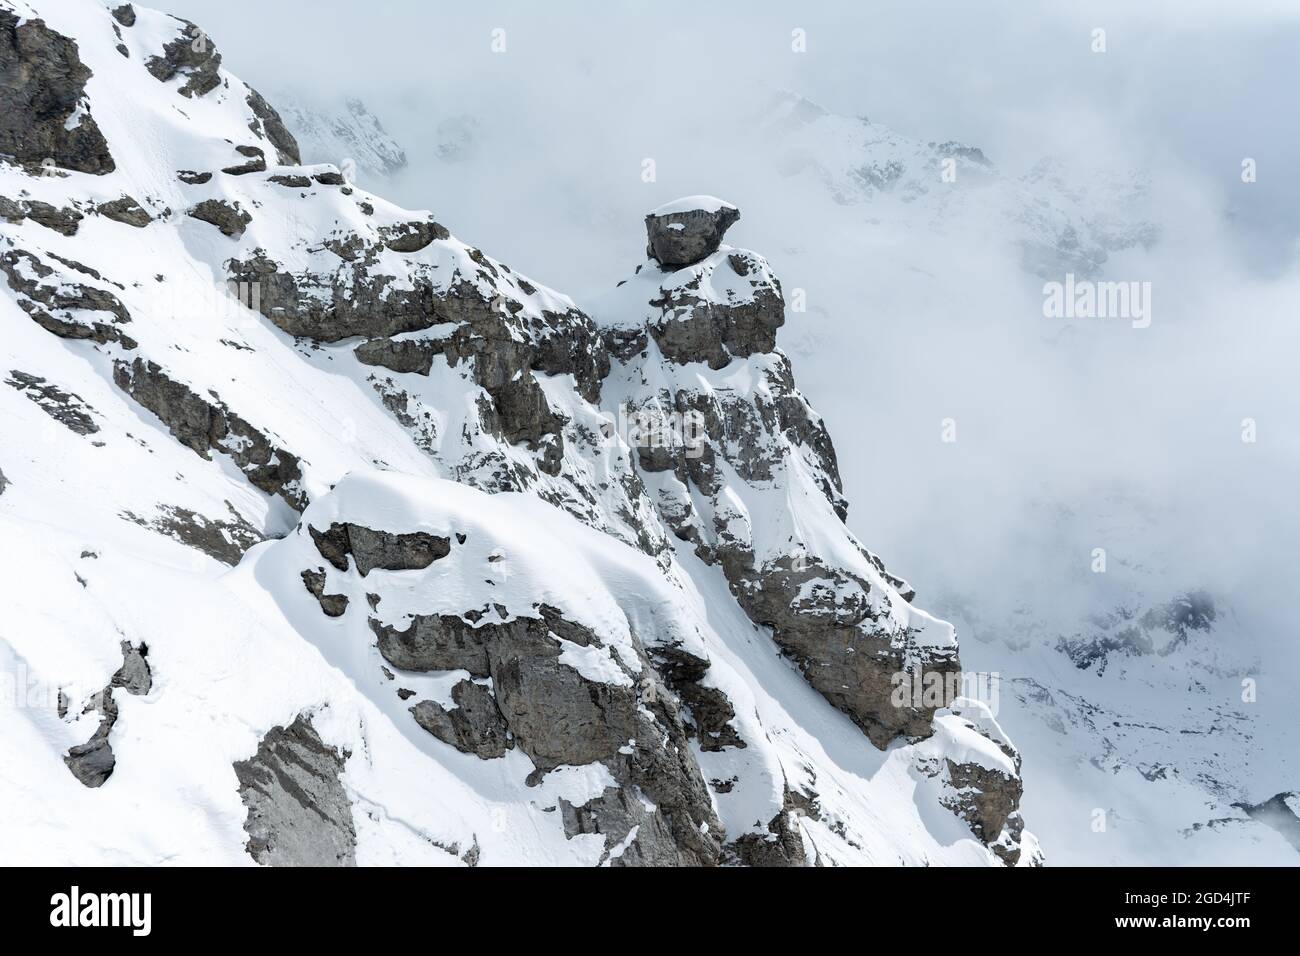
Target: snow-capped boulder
{"x":978,"y":771}
{"x":686,"y":230}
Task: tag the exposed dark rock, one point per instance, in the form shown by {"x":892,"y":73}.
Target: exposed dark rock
{"x":274,"y":129}
{"x":290,"y":181}
{"x":42,"y":86}
{"x":192,"y":56}
{"x":413,"y":236}
{"x":709,"y":712}
{"x":134,"y":676}
{"x":679,"y":239}
{"x":55,"y":300}
{"x":330,"y":178}
{"x":205,"y":426}
{"x":125,"y":210}
{"x":329,"y":307}
{"x":191,"y":178}
{"x":986,"y":800}
{"x":782,"y":845}
{"x":64,"y":221}
{"x":986,"y":797}
{"x":4,"y":482}
{"x":125,"y":15}
{"x":93,"y":762}
{"x":821,"y":617}
{"x":435,"y":643}
{"x":558,"y":717}
{"x":334,"y":605}
{"x":693,"y":329}
{"x":399,"y":355}
{"x":225,"y":540}
{"x":473,"y":726}
{"x":378,"y":549}
{"x":66,"y":408}
{"x":230,"y":218}
{"x":255,"y":162}
{"x":298,"y":812}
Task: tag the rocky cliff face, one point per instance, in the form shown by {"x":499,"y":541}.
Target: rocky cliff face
{"x":517,"y":581}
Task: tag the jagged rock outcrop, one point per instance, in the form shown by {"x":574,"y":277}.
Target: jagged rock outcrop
{"x":254,"y":162}
{"x":47,"y":291}
{"x":683,"y":232}
{"x":93,"y":762}
{"x":222,"y":539}
{"x":64,"y":221}
{"x":66,"y":408}
{"x":559,"y":716}
{"x":1132,"y":632}
{"x":126,"y":211}
{"x":845,"y":620}
{"x":334,"y":605}
{"x":708,"y":714}
{"x":978,"y":771}
{"x":206,"y":426}
{"x":823,"y":619}
{"x":231,"y":218}
{"x":474,"y":725}
{"x":192,"y":56}
{"x":378,"y":549}
{"x":495,"y":583}
{"x":299,"y":813}
{"x":43,"y":88}
{"x":267,"y":122}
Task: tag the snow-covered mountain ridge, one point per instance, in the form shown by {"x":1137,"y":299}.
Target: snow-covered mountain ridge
{"x":328,"y":537}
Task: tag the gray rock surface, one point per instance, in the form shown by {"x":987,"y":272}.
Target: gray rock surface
{"x":682,"y":238}
{"x":695,"y":329}
{"x":378,"y":549}
{"x":254,"y":162}
{"x":205,"y":426}
{"x":558,"y":717}
{"x":125,"y":15}
{"x":474,"y":726}
{"x":334,"y":605}
{"x":267,"y":122}
{"x":42,"y":84}
{"x":191,"y":55}
{"x":125,"y":210}
{"x":66,"y":408}
{"x":223,"y":539}
{"x":230,"y":218}
{"x":93,"y":762}
{"x":840,"y":649}
{"x":298,"y":812}
{"x":59,"y":302}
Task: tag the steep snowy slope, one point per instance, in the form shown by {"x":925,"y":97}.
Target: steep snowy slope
{"x":331,"y":539}
{"x":914,"y":268}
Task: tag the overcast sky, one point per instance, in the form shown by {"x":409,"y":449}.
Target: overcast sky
{"x":1194,"y":81}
